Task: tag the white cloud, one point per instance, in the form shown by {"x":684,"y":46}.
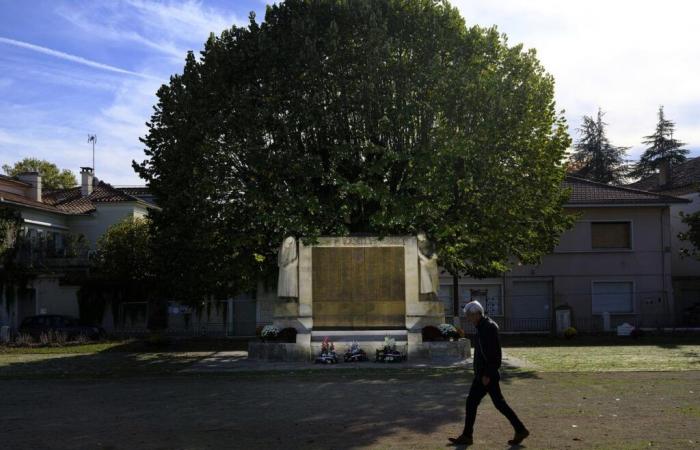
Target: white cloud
{"x":167,"y":27}
{"x":628,"y":57}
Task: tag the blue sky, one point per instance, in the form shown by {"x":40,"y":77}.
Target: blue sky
{"x":70,"y":68}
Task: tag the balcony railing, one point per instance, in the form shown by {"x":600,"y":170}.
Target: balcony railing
{"x":41,"y":255}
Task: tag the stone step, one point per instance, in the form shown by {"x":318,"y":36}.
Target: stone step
{"x":359,"y":335}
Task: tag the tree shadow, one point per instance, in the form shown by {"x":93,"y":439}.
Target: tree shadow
{"x":129,"y":395}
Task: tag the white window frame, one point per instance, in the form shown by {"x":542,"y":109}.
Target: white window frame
{"x":633,"y":311}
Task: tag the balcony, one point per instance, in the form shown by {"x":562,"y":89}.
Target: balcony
{"x":46,"y":254}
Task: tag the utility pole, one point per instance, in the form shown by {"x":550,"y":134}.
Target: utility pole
{"x":93,"y":138}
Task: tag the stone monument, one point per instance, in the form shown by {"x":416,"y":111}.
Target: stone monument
{"x":358,"y":289}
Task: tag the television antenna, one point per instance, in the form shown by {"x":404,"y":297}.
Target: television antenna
{"x":92,"y":138}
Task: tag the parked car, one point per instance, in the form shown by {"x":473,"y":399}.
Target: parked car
{"x":70,"y":326}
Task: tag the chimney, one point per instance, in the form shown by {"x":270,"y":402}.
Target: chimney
{"x":86,"y":174}
{"x":665,"y":173}
{"x":34,"y":179}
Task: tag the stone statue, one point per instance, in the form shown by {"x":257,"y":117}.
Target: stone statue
{"x":288,"y":263}
{"x":427,"y":258}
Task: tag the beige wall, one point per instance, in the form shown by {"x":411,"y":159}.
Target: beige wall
{"x":96,"y":224}
{"x":574,"y":265}
{"x":52,"y":298}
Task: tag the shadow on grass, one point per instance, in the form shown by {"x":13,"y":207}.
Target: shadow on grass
{"x":144,"y":358}
{"x":314,"y":407}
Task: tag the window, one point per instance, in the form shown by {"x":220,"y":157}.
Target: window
{"x":612,"y":297}
{"x":489,"y":295}
{"x":610,"y":235}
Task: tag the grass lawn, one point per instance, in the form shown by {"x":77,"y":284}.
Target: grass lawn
{"x":108,"y":359}
{"x":607,"y":354}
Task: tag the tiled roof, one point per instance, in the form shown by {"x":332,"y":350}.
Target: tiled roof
{"x":71,"y":200}
{"x":685,"y":178}
{"x":9,"y":197}
{"x":13,"y":180}
{"x":587,"y":192}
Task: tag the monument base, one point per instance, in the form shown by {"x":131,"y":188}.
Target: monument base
{"x":440,"y":351}
{"x":308,"y":346}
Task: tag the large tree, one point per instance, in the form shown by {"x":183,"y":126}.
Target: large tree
{"x":332,"y":118}
{"x":594,"y":156}
{"x":51,"y":176}
{"x":691,"y":236}
{"x":662,"y":146}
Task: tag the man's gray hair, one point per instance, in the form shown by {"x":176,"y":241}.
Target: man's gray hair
{"x":473,"y":307}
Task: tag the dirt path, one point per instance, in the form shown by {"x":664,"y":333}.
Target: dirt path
{"x":330,"y":410}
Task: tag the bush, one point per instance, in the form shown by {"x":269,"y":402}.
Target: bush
{"x":570,"y":332}
{"x":431,"y":333}
{"x":288,"y":334}
{"x":24,"y":339}
{"x":53,"y":338}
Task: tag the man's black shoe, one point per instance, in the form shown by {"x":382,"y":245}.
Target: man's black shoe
{"x":519,"y":437}
{"x":462,"y":440}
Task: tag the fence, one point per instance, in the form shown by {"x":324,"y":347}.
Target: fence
{"x":593,"y":324}
{"x":214,"y":329}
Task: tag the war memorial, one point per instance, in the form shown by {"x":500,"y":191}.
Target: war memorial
{"x":358,"y":289}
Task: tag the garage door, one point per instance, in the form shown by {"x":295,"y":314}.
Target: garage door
{"x":530,"y":306}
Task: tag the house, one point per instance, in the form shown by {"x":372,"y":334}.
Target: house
{"x":613,"y":266}
{"x":60,"y":227}
{"x":681,"y":181}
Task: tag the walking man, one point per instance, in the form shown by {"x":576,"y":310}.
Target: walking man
{"x":487,"y":361}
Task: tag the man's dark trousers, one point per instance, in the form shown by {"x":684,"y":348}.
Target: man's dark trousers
{"x":476,"y":393}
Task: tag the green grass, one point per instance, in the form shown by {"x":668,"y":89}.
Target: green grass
{"x":610,"y":358}
{"x":588,"y":354}
{"x":94,"y":347}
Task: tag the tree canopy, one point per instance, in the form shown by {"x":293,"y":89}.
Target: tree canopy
{"x":691,"y":235}
{"x":661,"y":146}
{"x":51,"y":176}
{"x":335,"y":118}
{"x":124,"y":251}
{"x":594,"y":156}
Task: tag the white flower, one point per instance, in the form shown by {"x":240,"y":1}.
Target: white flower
{"x":269,"y":331}
{"x":447,"y":329}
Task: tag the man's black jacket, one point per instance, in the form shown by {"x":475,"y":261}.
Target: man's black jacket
{"x":487,"y":349}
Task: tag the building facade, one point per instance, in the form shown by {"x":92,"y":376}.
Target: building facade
{"x":613,"y":266}
{"x":59,"y":230}
{"x":682,"y":181}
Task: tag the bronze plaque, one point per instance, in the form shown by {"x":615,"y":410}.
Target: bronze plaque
{"x":358,"y":287}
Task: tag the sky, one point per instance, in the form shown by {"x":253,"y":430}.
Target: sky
{"x":73,"y":68}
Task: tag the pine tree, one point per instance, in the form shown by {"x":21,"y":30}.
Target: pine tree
{"x":662,"y":146}
{"x":595,"y":157}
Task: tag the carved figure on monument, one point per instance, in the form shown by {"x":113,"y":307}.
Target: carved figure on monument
{"x":427,"y":258}
{"x":288,"y":263}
